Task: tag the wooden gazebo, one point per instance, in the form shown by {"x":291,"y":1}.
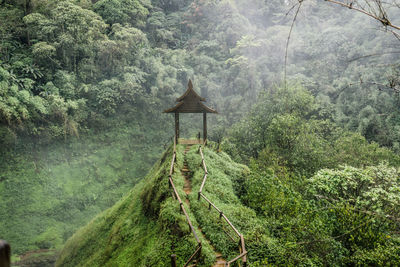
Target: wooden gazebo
{"x":190,"y":102}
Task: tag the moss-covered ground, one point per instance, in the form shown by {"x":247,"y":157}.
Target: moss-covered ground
{"x":222,"y":188}
{"x":142,"y":229}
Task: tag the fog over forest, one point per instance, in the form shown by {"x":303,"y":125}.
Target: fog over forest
{"x":304,"y":153}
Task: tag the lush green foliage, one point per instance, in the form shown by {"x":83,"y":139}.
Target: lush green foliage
{"x":97,"y":59}
{"x":82,"y":87}
{"x":286,"y":127}
{"x":346,"y":216}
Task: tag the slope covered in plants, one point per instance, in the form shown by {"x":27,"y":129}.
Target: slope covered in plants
{"x":143,"y":229}
{"x":339,"y":216}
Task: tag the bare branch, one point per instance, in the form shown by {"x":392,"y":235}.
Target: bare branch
{"x":382,"y":17}
{"x":288,"y":40}
{"x":290,"y":10}
{"x":373,"y":55}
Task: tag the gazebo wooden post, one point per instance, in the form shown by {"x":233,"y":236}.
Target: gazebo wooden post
{"x":176,"y":127}
{"x":204,"y":127}
{"x":5,"y":254}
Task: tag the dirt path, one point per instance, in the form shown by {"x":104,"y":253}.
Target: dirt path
{"x":187,"y":188}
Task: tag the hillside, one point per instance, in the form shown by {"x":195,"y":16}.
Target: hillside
{"x":48,"y":192}
{"x":145,"y":227}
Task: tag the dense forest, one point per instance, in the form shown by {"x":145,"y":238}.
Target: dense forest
{"x":307,"y":94}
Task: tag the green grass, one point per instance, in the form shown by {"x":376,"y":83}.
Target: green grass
{"x":142,"y":229}
{"x":223,"y":176}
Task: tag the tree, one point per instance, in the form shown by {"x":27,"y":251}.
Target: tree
{"x":70,"y":29}
{"x":132,"y":12}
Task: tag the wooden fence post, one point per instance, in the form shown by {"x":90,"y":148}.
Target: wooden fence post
{"x":177,"y":127}
{"x":5,"y":254}
{"x":173,"y":260}
{"x":204,"y":128}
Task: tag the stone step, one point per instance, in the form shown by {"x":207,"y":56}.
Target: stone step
{"x":220,"y":261}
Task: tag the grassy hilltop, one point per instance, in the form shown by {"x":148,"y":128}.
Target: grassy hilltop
{"x":145,"y":227}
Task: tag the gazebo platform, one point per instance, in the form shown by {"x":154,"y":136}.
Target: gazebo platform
{"x":190,"y":141}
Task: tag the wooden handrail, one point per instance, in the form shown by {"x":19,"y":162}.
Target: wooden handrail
{"x":176,"y":193}
{"x":238,"y":257}
{"x":231,"y":225}
{"x":182,"y":207}
{"x":202,"y":161}
{"x":212,"y":204}
{"x":197,"y":251}
{"x":190,"y":224}
{"x":242,"y":248}
{"x":221,"y":214}
{"x":171,"y":170}
{"x":205,"y":167}
{"x":202,"y":184}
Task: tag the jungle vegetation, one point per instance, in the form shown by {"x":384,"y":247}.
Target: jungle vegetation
{"x":311,"y":105}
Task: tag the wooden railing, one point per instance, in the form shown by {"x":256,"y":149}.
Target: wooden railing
{"x":242,"y":248}
{"x":175,"y":194}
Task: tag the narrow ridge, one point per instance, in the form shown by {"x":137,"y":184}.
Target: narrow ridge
{"x":187,"y":188}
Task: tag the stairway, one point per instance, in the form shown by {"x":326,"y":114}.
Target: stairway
{"x":220,"y":261}
{"x":187,"y":188}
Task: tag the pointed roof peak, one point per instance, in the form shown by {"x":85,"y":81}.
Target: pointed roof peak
{"x":190,"y":102}
{"x":190,"y":92}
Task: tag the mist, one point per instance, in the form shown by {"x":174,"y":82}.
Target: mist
{"x":83,"y":87}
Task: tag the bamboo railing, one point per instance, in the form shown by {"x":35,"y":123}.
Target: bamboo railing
{"x":242,"y":248}
{"x":175,"y":194}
